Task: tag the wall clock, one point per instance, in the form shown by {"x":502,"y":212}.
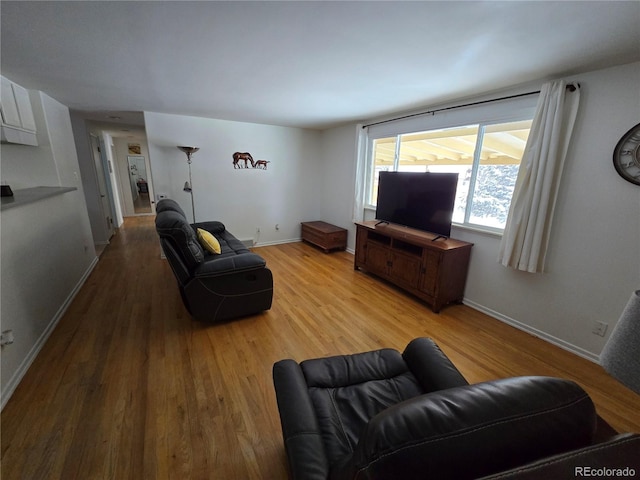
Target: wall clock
{"x":626,"y":156}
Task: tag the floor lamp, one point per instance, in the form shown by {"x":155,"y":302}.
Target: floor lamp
{"x":188,"y":186}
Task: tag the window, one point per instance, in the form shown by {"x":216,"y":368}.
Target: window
{"x":486,"y":156}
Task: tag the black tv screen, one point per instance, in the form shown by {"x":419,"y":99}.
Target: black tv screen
{"x":418,"y":200}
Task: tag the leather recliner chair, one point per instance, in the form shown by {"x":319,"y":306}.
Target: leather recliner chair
{"x":213,"y":287}
{"x":387,"y":415}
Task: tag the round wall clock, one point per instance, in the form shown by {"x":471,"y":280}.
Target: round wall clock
{"x":626,"y":156}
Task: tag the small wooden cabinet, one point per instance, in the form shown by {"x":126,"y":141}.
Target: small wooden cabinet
{"x":433,"y":270}
{"x":324,"y":235}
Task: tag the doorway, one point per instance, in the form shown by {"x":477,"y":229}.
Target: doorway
{"x":134,"y":175}
{"x":139,"y":184}
{"x":100,"y":165}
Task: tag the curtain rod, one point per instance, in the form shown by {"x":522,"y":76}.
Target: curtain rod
{"x":572,"y":87}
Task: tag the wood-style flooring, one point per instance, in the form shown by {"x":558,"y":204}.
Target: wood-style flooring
{"x":129,"y":387}
{"x":142,"y":204}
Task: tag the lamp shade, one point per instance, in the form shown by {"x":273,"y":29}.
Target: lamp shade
{"x":621,"y":355}
{"x":188,"y":151}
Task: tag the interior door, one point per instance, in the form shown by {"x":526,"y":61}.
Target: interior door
{"x":107,"y":213}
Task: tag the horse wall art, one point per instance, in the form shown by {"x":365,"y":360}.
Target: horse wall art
{"x":239,"y":157}
{"x":246,"y":156}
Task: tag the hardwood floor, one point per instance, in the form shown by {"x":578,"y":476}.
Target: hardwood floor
{"x":142,"y":204}
{"x":129,"y":387}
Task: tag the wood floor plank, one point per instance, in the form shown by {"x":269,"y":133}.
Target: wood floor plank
{"x":129,"y":387}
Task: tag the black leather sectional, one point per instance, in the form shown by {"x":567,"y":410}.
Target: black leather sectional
{"x":214,"y":287}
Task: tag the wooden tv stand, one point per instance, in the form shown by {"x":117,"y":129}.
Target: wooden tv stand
{"x":433,"y":270}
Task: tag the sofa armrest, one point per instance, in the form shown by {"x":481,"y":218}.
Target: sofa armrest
{"x":300,"y":429}
{"x":210,"y":226}
{"x":474,"y":430}
{"x":213,"y":266}
{"x":431,"y":366}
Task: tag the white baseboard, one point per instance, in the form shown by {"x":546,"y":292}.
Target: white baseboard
{"x":12,"y":384}
{"x":292,"y":240}
{"x":581,"y":352}
{"x":277,"y":242}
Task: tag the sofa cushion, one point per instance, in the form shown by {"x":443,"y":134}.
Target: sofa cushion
{"x":348,"y":390}
{"x":475,"y":430}
{"x":220,"y":264}
{"x":230,"y":245}
{"x":209,"y":242}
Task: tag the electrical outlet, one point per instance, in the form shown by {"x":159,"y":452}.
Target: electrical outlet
{"x":6,"y":338}
{"x":600,"y":328}
{"x":277,"y":226}
{"x":257,"y":229}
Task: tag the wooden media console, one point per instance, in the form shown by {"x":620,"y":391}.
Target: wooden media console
{"x":433,"y":270}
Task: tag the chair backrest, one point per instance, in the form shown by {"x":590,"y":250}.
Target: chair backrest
{"x":169,"y":204}
{"x":173,"y":228}
{"x":473,"y":431}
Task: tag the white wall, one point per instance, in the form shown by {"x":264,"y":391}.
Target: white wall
{"x":338,"y":168}
{"x":46,"y":247}
{"x":594,"y":262}
{"x":286,"y":193}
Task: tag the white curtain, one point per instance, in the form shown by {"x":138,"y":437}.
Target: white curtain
{"x":361,"y":168}
{"x":526,"y":234}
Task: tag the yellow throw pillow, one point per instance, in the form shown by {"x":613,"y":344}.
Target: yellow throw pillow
{"x":209,"y":242}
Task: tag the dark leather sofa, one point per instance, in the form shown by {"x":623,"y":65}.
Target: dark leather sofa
{"x":387,"y":415}
{"x":213,"y":287}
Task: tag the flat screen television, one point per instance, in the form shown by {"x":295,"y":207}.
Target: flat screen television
{"x":418,"y":200}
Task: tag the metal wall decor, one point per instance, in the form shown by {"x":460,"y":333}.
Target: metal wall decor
{"x":244,"y":159}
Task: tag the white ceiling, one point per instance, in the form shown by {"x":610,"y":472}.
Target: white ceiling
{"x":303,"y":63}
